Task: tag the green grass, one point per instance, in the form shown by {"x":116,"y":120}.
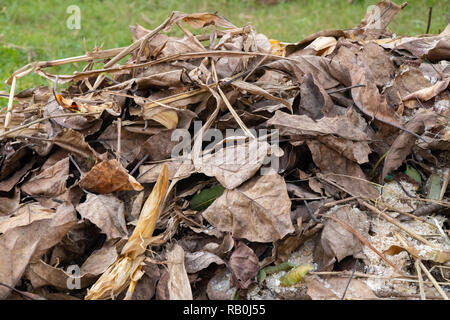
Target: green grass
{"x":36,"y":29}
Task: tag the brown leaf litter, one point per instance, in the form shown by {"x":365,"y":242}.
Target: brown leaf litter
{"x":337,"y":165}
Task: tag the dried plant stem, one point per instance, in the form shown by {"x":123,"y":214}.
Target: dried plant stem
{"x":436,"y":285}
{"x":235,"y":115}
{"x":29,"y":124}
{"x":10,"y":103}
{"x":119,"y":134}
{"x":374,"y":276}
{"x":419,"y":275}
{"x":365,"y":241}
{"x":396,"y":223}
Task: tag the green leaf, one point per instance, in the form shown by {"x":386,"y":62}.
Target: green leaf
{"x":295,"y":275}
{"x":202,"y":200}
{"x":435,"y":187}
{"x":413,"y":174}
{"x":285,"y":266}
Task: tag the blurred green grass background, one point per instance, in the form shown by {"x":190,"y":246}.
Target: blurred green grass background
{"x":33,"y":30}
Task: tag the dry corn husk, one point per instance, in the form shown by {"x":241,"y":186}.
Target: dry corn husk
{"x":127,"y":269}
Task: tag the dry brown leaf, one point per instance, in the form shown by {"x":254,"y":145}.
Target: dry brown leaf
{"x":50,"y":182}
{"x":376,"y":20}
{"x":403,"y":144}
{"x":337,"y":243}
{"x":426,"y":94}
{"x":219,"y":286}
{"x":342,"y":171}
{"x":244,"y":265}
{"x":130,"y":143}
{"x":24,"y":244}
{"x":258,"y":211}
{"x":109,"y":176}
{"x":234,"y":165}
{"x":106,"y":212}
{"x":332,"y":288}
{"x":433,"y":255}
{"x":178,"y":284}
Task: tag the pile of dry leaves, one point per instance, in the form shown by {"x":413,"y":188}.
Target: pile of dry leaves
{"x":344,"y":196}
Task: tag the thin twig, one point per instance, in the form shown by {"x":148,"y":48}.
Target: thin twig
{"x":436,"y":285}
{"x":10,"y":103}
{"x":419,"y":275}
{"x":430,"y":13}
{"x":139,"y":164}
{"x":119,"y":134}
{"x":350,"y":280}
{"x":75,"y":164}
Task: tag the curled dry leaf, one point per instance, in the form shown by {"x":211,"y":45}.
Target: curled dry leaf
{"x":106,"y":212}
{"x":109,"y":176}
{"x":258,"y":211}
{"x":50,"y":182}
{"x":426,"y":94}
{"x":244,"y":265}
{"x":200,"y":260}
{"x":403,"y":144}
{"x":433,"y":254}
{"x":336,"y":243}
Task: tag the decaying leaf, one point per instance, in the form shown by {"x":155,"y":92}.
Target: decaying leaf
{"x":109,"y":176}
{"x":234,"y":165}
{"x":24,"y":244}
{"x":332,"y":288}
{"x":258,"y":211}
{"x":244,"y":265}
{"x":336,"y":242}
{"x":107,"y":212}
{"x":433,"y":255}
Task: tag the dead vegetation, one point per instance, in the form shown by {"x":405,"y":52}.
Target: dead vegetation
{"x":344,"y":197}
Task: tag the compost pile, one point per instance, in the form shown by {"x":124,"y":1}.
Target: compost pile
{"x":226,"y":165}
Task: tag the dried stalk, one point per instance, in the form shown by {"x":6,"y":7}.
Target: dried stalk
{"x":396,"y":223}
{"x":419,"y":275}
{"x":10,"y":103}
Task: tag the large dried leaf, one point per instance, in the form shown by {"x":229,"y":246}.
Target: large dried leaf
{"x":403,"y":144}
{"x":107,"y":212}
{"x":50,"y":182}
{"x":342,"y":171}
{"x":24,"y":244}
{"x":336,"y":242}
{"x":376,"y":20}
{"x":258,"y":211}
{"x":199,"y":260}
{"x":234,"y":165}
{"x":109,"y":176}
{"x":244,"y":265}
